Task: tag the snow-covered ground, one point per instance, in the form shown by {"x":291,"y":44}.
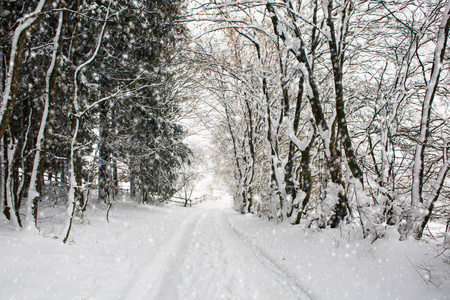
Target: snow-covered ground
{"x":209,"y":252}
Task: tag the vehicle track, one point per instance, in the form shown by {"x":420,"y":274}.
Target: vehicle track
{"x":150,"y":281}
{"x":207,"y":258}
{"x":288,"y":281}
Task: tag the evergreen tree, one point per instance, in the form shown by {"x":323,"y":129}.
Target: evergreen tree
{"x":126,"y":105}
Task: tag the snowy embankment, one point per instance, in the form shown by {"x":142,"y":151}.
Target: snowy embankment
{"x":210,"y":252}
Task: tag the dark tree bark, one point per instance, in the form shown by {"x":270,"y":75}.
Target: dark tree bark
{"x":333,"y":155}
{"x":25,"y":27}
{"x":104,"y":155}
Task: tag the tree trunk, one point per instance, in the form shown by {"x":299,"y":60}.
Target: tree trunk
{"x":434,"y":194}
{"x":289,"y":168}
{"x":241,"y":188}
{"x":71,"y":207}
{"x":331,"y":152}
{"x":337,"y":59}
{"x":2,"y":178}
{"x":10,"y":206}
{"x":132,"y":179}
{"x":115,"y":176}
{"x":306,"y":179}
{"x":26,"y":25}
{"x":104,"y":168}
{"x":37,"y":173}
{"x":251,"y":145}
{"x":418,"y":169}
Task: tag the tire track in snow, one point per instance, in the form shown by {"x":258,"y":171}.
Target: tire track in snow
{"x":207,"y":273}
{"x":206,"y":258}
{"x":240,"y":271}
{"x":163,"y":269}
{"x":287,"y":281}
{"x":219,"y":265}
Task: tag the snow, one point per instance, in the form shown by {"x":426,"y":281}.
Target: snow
{"x":209,"y":251}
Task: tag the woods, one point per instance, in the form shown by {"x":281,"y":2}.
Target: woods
{"x":325,"y":113}
{"x":336,"y":112}
{"x":86,"y":98}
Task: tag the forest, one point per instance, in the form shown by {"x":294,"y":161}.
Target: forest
{"x":326,"y":113}
{"x":224,"y":149}
{"x":334,"y":111}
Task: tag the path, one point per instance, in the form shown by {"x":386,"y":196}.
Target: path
{"x":208,"y":252}
{"x":206,"y":259}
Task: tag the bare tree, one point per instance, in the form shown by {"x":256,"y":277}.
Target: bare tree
{"x":417,"y":197}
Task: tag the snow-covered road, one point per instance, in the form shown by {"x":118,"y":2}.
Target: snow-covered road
{"x":205,"y":258}
{"x":144,"y":252}
{"x":209,"y":252}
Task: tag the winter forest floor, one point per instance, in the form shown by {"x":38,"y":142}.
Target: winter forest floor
{"x":210,"y":251}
